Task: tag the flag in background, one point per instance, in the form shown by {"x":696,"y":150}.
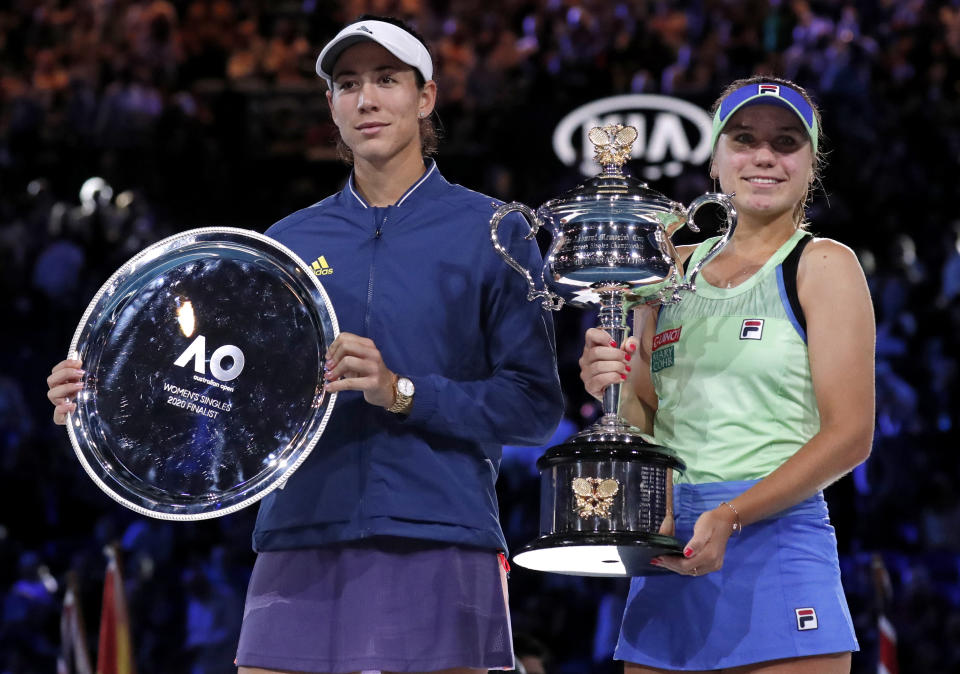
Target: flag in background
{"x":74,"y":658}
{"x":886,"y":634}
{"x":115,"y":654}
{"x":887,"y":663}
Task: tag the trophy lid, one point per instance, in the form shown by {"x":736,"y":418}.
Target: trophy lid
{"x":203,"y":388}
{"x":612,"y":188}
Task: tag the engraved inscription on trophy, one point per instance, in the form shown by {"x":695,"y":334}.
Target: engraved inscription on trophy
{"x":648,"y":493}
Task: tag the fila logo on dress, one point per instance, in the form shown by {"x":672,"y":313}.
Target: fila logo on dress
{"x":751,"y":328}
{"x":806,"y":619}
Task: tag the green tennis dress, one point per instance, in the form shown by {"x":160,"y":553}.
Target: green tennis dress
{"x":731,"y":371}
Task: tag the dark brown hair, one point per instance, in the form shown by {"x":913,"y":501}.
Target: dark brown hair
{"x":429,"y":138}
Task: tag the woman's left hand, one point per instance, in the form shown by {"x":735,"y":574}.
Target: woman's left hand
{"x":354,"y":363}
{"x":705,"y":551}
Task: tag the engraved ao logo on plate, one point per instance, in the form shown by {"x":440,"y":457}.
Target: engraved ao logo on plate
{"x":197,"y":352}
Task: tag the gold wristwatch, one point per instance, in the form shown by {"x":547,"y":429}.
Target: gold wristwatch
{"x":402,"y":396}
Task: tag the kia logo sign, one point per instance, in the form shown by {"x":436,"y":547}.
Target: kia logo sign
{"x":664,"y":142}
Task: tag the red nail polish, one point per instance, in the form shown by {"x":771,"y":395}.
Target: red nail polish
{"x":628,"y":367}
{"x":655,"y":561}
{"x":633,"y":347}
{"x":623,"y":376}
{"x":687,"y":552}
{"x":628,"y":357}
{"x":613,"y":343}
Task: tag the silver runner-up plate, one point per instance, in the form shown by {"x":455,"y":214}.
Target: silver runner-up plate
{"x":203,"y":385}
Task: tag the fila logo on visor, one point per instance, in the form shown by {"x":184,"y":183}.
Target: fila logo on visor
{"x":751,"y":328}
{"x":806,"y":619}
{"x":769,"y":89}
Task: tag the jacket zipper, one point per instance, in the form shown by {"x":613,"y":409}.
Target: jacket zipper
{"x":376,"y":238}
{"x":366,"y":332}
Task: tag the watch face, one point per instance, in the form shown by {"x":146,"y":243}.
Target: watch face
{"x":405,"y":386}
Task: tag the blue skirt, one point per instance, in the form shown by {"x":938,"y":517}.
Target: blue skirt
{"x":777,"y":596}
{"x":380,"y":604}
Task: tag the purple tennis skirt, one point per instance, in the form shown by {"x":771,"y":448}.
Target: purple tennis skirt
{"x":391,"y":604}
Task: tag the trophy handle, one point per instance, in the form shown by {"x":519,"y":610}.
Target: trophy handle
{"x":551,"y":301}
{"x":670,"y":293}
{"x":725,"y":201}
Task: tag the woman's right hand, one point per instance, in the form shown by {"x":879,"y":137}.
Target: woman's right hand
{"x":603,"y":362}
{"x":64,"y":382}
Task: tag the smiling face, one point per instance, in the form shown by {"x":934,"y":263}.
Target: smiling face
{"x":376,"y":104}
{"x":764,"y":156}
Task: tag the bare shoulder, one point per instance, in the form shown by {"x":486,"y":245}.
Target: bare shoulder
{"x":828,"y":249}
{"x":828,"y":267}
{"x":686,"y":251}
{"x":827,"y":257}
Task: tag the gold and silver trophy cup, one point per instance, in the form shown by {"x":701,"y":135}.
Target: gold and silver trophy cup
{"x":606,"y":491}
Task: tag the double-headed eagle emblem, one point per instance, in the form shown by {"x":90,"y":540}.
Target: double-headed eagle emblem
{"x":594,"y":495}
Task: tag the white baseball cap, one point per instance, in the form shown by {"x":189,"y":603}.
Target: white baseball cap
{"x":393,"y":38}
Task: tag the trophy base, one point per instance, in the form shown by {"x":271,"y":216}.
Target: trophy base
{"x":604,"y":495}
{"x":611,"y":429}
{"x":611,"y":555}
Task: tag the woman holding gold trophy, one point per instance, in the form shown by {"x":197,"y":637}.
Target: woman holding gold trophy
{"x":762,"y":382}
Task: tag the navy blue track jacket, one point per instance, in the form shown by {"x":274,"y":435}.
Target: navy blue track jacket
{"x":422,"y":280}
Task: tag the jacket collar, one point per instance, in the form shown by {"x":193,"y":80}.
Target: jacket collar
{"x":423,"y":187}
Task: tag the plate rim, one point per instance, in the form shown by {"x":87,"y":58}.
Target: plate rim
{"x":153,"y":251}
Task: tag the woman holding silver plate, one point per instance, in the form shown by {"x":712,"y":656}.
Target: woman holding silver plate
{"x":384,"y":551}
{"x":762,"y":382}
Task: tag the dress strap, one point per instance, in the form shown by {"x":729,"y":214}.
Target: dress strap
{"x":787,"y":280}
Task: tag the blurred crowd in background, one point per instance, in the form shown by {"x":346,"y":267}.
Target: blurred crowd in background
{"x":208,"y":112}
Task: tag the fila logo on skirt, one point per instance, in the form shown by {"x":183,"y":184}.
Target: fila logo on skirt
{"x":806,"y":619}
{"x":751,"y":328}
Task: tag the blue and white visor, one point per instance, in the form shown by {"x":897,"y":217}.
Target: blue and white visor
{"x":765,"y":93}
